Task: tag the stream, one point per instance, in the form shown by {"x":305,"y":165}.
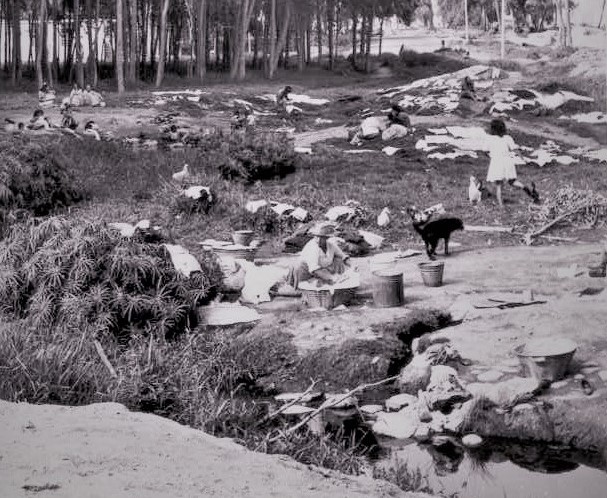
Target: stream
{"x":499,"y":468}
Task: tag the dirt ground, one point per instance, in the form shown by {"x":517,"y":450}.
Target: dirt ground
{"x":104,"y":450}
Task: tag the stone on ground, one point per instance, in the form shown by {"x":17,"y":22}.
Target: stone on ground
{"x":415,"y":376}
{"x":490,"y":376}
{"x":472,"y":440}
{"x":399,"y":401}
{"x":445,"y":388}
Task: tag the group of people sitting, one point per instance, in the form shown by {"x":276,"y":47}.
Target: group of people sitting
{"x":41,"y":122}
{"x":78,"y":97}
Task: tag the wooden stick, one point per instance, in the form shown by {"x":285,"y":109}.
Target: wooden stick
{"x":104,"y":358}
{"x":528,"y":238}
{"x":334,"y":402}
{"x":482,"y":228}
{"x":287,"y":405}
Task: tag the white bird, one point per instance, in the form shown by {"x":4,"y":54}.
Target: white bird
{"x":182,"y":175}
{"x":383,"y":220}
{"x":474,"y":190}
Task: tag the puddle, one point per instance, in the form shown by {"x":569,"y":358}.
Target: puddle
{"x":500,"y":469}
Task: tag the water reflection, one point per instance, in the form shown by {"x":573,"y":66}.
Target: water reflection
{"x":503,"y":469}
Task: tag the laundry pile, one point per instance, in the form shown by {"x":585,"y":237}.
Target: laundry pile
{"x":595,"y":117}
{"x":440,"y":94}
{"x":509,"y":100}
{"x":457,"y":141}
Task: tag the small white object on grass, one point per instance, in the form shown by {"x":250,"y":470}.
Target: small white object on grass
{"x":182,"y":175}
{"x":472,"y":440}
{"x":383,"y":220}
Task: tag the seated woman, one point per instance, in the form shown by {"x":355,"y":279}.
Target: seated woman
{"x":320,"y":258}
{"x":282,"y":98}
{"x":93,"y":97}
{"x":76,"y":98}
{"x":397,"y":115}
{"x":68,"y":120}
{"x":46,"y":96}
{"x":39,"y":121}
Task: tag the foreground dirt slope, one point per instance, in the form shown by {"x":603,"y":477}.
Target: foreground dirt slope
{"x":103,"y":450}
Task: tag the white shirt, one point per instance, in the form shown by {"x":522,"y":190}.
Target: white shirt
{"x":316,"y":258}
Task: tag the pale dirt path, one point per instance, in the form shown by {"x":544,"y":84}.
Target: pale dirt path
{"x":472,"y":274}
{"x":105,"y":451}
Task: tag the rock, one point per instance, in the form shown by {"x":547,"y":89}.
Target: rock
{"x":400,"y":425}
{"x":371,"y":127}
{"x":438,"y":422}
{"x":301,"y":397}
{"x":422,"y":433}
{"x":579,"y":376}
{"x":445,"y":388}
{"x":297,"y":410}
{"x":371,"y":409}
{"x":559,"y":384}
{"x":505,"y":392}
{"x":522,"y":407}
{"x":415,"y":376}
{"x":490,"y":376}
{"x":512,"y":362}
{"x":590,"y":370}
{"x":394,"y":131}
{"x":397,"y":402}
{"x":349,"y":402}
{"x":472,"y":440}
{"x":603,"y":375}
{"x":455,"y":420}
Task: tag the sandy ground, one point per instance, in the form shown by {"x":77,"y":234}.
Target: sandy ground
{"x":486,"y":336}
{"x":104,"y":450}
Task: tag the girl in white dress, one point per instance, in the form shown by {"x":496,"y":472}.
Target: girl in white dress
{"x":501,"y":166}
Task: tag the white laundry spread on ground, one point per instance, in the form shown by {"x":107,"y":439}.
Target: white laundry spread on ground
{"x":228,"y":314}
{"x":259,"y":279}
{"x":595,"y":117}
{"x":195,"y":192}
{"x":184,"y":262}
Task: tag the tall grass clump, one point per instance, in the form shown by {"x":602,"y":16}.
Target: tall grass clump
{"x":33,"y":178}
{"x":79,"y":276}
{"x":250,"y":156}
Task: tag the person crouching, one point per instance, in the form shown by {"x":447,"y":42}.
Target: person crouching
{"x":320,"y":258}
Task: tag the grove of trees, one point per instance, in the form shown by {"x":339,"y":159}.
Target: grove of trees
{"x":145,"y":39}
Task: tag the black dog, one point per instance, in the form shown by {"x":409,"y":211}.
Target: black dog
{"x":432,"y":231}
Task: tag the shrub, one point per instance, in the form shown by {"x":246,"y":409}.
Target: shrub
{"x":33,"y":178}
{"x":255,"y":156}
{"x":82,"y":276}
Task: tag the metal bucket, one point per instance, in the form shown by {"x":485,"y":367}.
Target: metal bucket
{"x":546,"y":359}
{"x":243,"y":237}
{"x":388,"y":288}
{"x":432,"y":273}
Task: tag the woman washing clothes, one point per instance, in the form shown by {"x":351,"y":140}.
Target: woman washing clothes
{"x":320,"y":258}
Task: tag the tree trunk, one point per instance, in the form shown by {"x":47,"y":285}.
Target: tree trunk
{"x":301,"y":45}
{"x":163,"y":42}
{"x":119,"y":46}
{"x":569,"y":38}
{"x":602,"y":14}
{"x":91,"y":63}
{"x":16,"y":65}
{"x":272,"y":40}
{"x":201,"y":45}
{"x":368,"y":41}
{"x":319,"y":30}
{"x":560,"y":22}
{"x":381,"y":34}
{"x":40,"y":42}
{"x":330,"y":20}
{"x":96,"y":43}
{"x":132,"y":58}
{"x":238,"y":68}
{"x":354,"y":26}
{"x":282,"y":40}
{"x":79,"y":66}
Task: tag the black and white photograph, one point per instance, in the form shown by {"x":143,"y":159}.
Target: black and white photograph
{"x":303,"y":248}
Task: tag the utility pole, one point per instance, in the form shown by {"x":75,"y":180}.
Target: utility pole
{"x":466,"y":21}
{"x":503,"y":28}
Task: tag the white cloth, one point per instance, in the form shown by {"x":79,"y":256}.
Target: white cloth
{"x":315,"y":258}
{"x":501,"y":166}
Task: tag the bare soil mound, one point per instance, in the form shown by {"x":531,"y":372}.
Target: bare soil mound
{"x":104,"y":450}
